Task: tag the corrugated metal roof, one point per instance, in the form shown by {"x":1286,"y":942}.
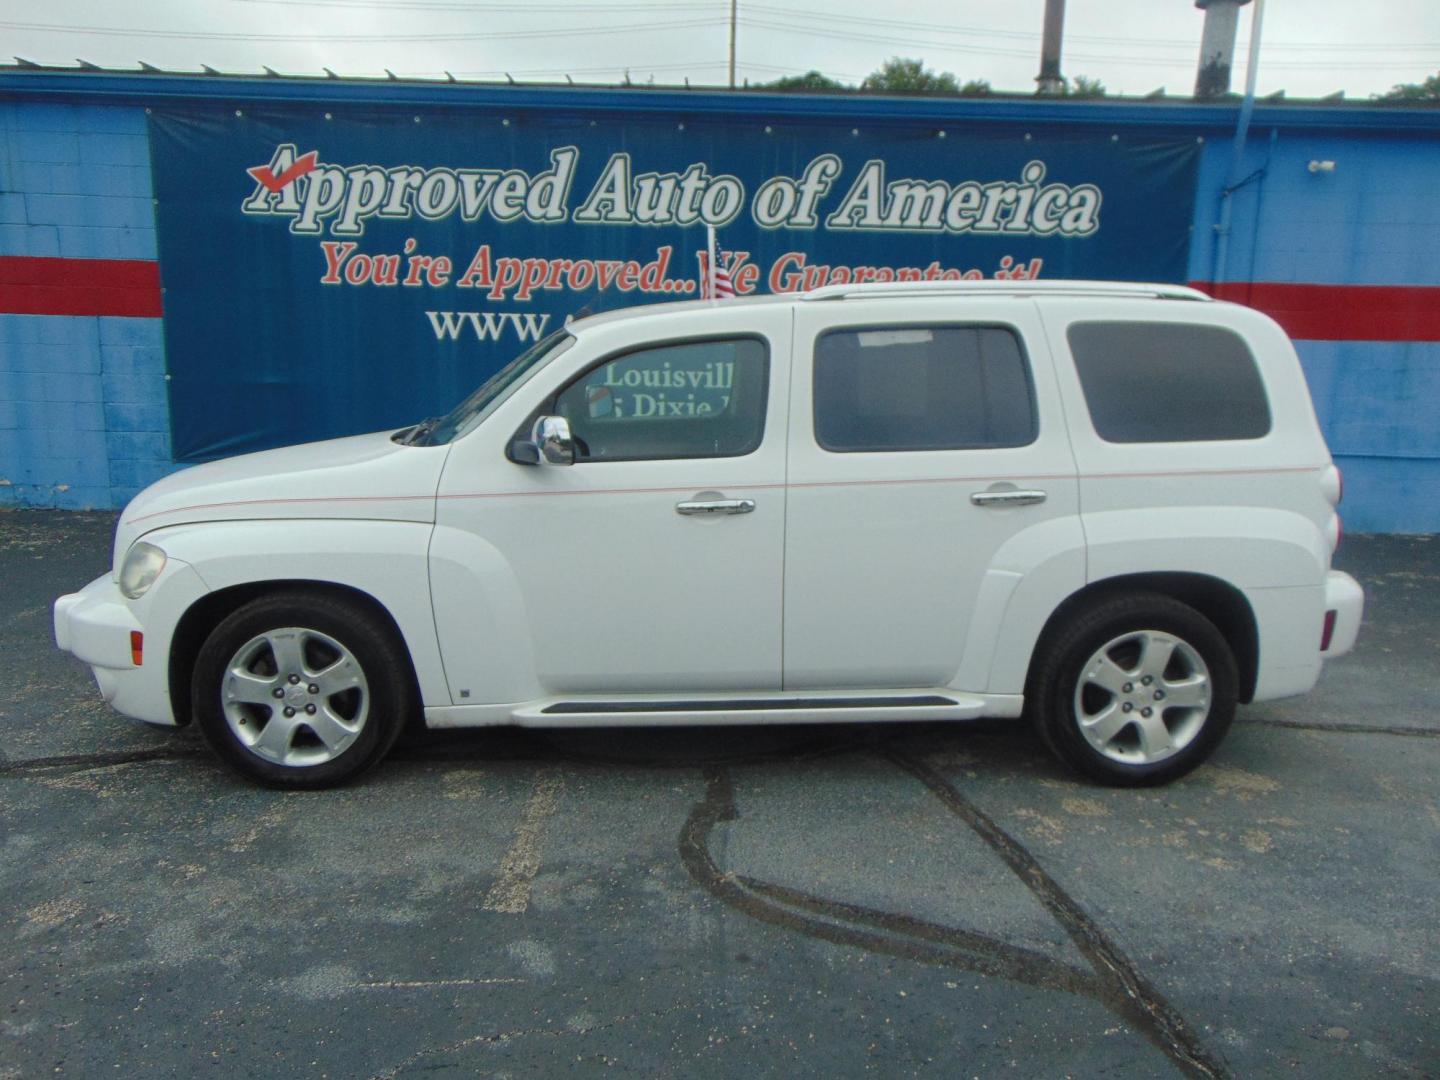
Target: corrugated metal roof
{"x":151,"y":85}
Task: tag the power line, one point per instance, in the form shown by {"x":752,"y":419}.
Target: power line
{"x":632,"y":6}
{"x":1035,"y":36}
{"x":562,"y":70}
{"x":985,"y":50}
{"x":637,"y":67}
{"x":776,"y":22}
{"x":625,"y":7}
{"x":217,"y":35}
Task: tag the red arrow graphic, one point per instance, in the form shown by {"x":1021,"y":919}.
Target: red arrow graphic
{"x":277,"y":184}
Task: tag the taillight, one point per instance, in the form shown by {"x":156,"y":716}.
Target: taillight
{"x":1332,"y":484}
{"x":137,"y":647}
{"x":1328,"y":631}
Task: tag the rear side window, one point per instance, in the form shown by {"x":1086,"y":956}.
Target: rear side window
{"x":922,"y":388}
{"x":1150,"y":382}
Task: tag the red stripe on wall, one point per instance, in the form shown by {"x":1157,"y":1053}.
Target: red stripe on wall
{"x":41,"y":286}
{"x":51,"y":286}
{"x":1340,"y":312}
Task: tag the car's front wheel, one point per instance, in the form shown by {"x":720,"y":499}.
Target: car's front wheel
{"x":301,"y":690}
{"x":1136,"y":689}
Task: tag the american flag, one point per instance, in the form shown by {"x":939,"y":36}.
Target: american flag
{"x":715,"y":281}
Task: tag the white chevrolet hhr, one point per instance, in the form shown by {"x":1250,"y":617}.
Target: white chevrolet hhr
{"x":1106,"y":507}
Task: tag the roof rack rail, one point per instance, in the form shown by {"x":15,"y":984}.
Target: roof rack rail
{"x":1054,"y":287}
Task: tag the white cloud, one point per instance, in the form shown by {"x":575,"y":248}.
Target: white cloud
{"x":1133,"y":46}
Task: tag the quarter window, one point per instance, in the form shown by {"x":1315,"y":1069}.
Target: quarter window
{"x":692,"y":399}
{"x":922,"y":388}
{"x":1150,"y":382}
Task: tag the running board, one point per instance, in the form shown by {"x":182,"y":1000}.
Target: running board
{"x":715,"y":709}
{"x":747,"y":704}
{"x":798,"y":707}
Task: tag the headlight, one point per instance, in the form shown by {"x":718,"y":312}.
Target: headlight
{"x":143,"y":563}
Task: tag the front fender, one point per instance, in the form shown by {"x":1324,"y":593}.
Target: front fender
{"x":483,"y":623}
{"x":386,"y":560}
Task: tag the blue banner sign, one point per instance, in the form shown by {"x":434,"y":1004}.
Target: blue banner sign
{"x":330,"y":274}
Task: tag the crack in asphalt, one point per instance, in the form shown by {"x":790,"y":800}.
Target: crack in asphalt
{"x":534,"y":745}
{"x":84,"y":762}
{"x":1115,"y":982}
{"x":543,"y":742}
{"x":1136,"y":995}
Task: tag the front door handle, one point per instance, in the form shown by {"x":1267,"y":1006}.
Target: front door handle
{"x":1007,"y":498}
{"x":716,"y":506}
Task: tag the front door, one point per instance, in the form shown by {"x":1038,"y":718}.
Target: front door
{"x":653,"y":563}
{"x":925,"y":441}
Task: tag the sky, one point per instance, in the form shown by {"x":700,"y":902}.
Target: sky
{"x":1309,"y":48}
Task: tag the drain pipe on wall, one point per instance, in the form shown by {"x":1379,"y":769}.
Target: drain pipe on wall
{"x":1233,"y":183}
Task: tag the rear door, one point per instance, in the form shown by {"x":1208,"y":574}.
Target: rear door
{"x":926,"y":435}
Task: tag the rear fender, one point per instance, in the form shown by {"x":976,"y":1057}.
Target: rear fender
{"x":1248,"y":547}
{"x":1032,"y":573}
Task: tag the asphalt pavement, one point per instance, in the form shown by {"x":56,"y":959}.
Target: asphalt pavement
{"x":919,"y":899}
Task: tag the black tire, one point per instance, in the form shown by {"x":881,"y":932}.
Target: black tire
{"x":377,"y":708}
{"x":1056,"y":681}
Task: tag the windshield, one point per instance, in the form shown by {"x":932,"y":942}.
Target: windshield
{"x":453,"y":423}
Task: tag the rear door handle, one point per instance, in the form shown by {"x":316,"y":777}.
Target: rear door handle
{"x":1007,"y":498}
{"x":716,"y":506}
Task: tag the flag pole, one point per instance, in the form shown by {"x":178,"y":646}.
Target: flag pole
{"x":710,"y":262}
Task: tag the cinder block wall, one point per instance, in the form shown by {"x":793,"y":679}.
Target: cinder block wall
{"x":83,"y":415}
{"x":1362,"y":236}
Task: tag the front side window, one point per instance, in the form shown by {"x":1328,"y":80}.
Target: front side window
{"x":691,"y":399}
{"x":1154,"y":382}
{"x":922,"y":388}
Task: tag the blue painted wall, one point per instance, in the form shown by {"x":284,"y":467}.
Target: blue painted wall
{"x":1374,"y":220}
{"x":84,"y":418}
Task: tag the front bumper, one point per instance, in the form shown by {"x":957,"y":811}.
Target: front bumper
{"x":95,"y":625}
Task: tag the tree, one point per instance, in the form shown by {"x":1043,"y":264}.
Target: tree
{"x":810,"y":81}
{"x":1429,"y":90}
{"x":905,"y":76}
{"x":1083,"y":87}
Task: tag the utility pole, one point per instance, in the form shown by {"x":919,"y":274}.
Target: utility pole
{"x":1217,"y":47}
{"x":1050,"y":80}
{"x":733,"y":3}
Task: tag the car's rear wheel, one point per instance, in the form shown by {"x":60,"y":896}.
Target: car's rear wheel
{"x":301,"y":690}
{"x":1136,"y":689}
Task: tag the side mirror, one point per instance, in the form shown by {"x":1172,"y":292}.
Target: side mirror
{"x":551,"y":435}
